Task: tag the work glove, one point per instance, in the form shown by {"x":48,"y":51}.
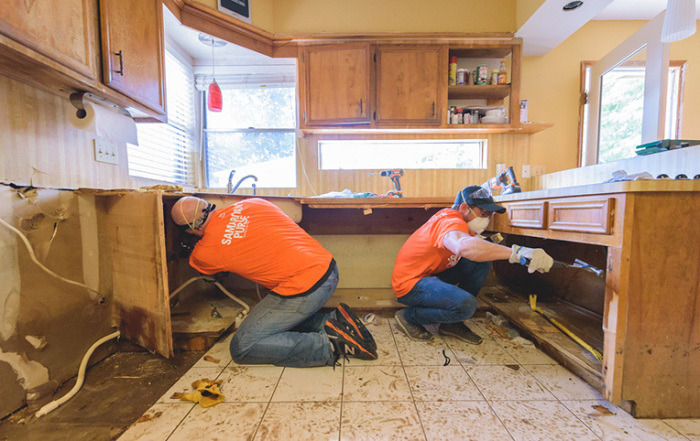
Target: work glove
{"x":534,"y":258}
{"x":206,"y":393}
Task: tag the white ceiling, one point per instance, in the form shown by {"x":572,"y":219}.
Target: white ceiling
{"x":637,"y":10}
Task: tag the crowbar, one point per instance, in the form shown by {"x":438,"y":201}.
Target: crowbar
{"x":533,"y":306}
{"x":577,"y":264}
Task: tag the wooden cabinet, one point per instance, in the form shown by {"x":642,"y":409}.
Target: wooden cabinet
{"x":133,"y":50}
{"x":62,"y":31}
{"x":488,"y":53}
{"x":651,"y":346}
{"x":336,"y":85}
{"x":55,"y":46}
{"x":409,"y":86}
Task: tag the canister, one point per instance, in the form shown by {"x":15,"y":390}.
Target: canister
{"x":481,"y":74}
{"x":461,"y":76}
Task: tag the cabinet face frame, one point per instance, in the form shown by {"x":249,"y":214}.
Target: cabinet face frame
{"x":336,"y":86}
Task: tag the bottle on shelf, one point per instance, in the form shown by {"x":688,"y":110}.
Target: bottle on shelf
{"x":502,"y":73}
{"x":452,"y":77}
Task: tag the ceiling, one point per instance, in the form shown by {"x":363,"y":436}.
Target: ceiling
{"x":545,"y":29}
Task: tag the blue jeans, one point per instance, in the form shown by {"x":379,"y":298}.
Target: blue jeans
{"x":436,"y":299}
{"x":287,"y":331}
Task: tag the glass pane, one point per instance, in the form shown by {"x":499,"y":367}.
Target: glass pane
{"x":621,"y":108}
{"x":270,"y":156}
{"x":260,"y":108}
{"x":436,"y":154}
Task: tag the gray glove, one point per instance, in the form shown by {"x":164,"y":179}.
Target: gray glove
{"x":535,"y":258}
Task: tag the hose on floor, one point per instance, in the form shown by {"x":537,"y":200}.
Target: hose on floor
{"x":81,"y":377}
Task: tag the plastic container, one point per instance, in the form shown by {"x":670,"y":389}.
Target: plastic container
{"x":494,"y":77}
{"x":502,"y":73}
{"x":461,"y":77}
{"x":481,"y":74}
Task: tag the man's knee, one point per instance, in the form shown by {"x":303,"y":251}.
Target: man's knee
{"x":467,"y":307}
{"x":238,"y":353}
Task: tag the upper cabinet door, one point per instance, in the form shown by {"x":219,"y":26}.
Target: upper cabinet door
{"x":64,"y":31}
{"x":336,"y":89}
{"x":133,"y":50}
{"x":411,"y":84}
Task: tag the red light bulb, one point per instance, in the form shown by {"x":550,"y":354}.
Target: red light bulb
{"x":215,"y":101}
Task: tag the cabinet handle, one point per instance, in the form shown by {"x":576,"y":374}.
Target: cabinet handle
{"x":360,"y":106}
{"x":121,"y":63}
{"x":433,"y":108}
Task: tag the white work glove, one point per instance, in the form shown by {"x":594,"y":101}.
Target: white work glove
{"x":535,"y":259}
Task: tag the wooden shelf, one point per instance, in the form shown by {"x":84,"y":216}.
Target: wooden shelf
{"x":481,"y":51}
{"x":487,"y":92}
{"x":523,"y":129}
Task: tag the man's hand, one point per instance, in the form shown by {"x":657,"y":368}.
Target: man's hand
{"x":536,"y":259}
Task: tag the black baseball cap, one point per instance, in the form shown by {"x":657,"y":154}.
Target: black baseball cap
{"x":476,"y":195}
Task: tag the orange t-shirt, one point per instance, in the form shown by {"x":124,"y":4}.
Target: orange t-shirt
{"x":424,"y":254}
{"x":255,"y":239}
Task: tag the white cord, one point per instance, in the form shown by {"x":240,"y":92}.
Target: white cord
{"x":81,"y":377}
{"x":94,"y":295}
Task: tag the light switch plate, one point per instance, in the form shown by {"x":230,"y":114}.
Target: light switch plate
{"x":538,"y":170}
{"x":106,"y":151}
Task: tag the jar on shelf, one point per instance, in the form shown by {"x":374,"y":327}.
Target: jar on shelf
{"x":461,"y":76}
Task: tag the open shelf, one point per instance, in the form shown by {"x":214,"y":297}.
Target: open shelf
{"x":488,"y":92}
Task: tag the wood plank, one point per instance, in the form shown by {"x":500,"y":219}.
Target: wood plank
{"x":132,"y":224}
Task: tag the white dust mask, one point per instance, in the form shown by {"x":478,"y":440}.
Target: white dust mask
{"x":478,"y":224}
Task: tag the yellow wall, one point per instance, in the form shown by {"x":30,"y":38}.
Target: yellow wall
{"x":524,"y":9}
{"x":371,"y":16}
{"x":551,"y":84}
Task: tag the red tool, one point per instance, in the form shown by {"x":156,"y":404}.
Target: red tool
{"x":394,"y":174}
{"x":506,"y":182}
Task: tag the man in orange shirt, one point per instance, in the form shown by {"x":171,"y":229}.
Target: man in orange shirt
{"x":255,"y":239}
{"x":443,"y":265}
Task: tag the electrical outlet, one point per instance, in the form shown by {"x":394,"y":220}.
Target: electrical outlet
{"x":538,"y":170}
{"x":526,"y":171}
{"x":106,"y":151}
{"x":500,"y":168}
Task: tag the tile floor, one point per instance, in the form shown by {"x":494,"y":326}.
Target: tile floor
{"x":495,"y":391}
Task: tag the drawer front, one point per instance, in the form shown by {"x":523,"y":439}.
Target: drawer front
{"x":586,"y":215}
{"x":527,"y":214}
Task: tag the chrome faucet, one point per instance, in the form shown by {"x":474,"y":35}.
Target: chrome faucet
{"x":229,"y":186}
{"x":238,"y":184}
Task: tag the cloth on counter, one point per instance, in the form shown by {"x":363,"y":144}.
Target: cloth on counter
{"x":622,"y":175}
{"x":347,"y":194}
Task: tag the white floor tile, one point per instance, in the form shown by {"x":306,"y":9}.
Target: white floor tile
{"x":379,"y":421}
{"x":488,"y":352}
{"x":223,"y":422}
{"x":617,"y":425}
{"x":387,"y":352}
{"x":461,"y":420}
{"x":218,"y":356}
{"x":296,"y":421}
{"x":688,"y":427}
{"x":441,"y":383}
{"x":421,"y":353}
{"x":375,"y":383}
{"x":250,"y":383}
{"x":507,"y":383}
{"x":157,"y":423}
{"x":563,"y":384}
{"x":541,"y":420}
{"x":310,"y":384}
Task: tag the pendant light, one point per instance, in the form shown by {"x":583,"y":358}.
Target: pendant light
{"x":214,"y":98}
{"x":679,"y":21}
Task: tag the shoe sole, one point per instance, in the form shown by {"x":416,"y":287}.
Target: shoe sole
{"x":355,"y":322}
{"x":352,"y":340}
{"x":460,"y":338}
{"x":405,"y":331}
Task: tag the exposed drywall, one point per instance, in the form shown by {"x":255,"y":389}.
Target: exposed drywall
{"x":47,"y":323}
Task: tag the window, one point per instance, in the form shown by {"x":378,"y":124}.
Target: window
{"x":253,"y":135}
{"x":409,"y":154}
{"x":166,"y":151}
{"x":621,"y":106}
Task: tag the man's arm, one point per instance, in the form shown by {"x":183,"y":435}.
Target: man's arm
{"x":473,"y":248}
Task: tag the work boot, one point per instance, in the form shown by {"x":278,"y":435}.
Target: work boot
{"x":345,"y":315}
{"x":416,"y":332}
{"x":347,"y":342}
{"x":460,"y":331}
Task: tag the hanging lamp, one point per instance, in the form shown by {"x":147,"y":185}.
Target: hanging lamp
{"x":214,"y":98}
{"x":679,"y":21}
